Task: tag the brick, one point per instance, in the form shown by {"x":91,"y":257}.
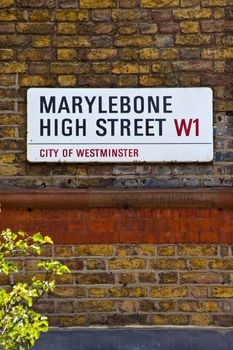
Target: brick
{"x":66,"y":54}
{"x":69,"y":68}
{"x":35,"y":55}
{"x":162,"y":67}
{"x":35,"y":28}
{"x":168,"y":264}
{"x":200,"y":277}
{"x":97,"y":292}
{"x":126,"y":278}
{"x":197,"y":250}
{"x":130,"y":28}
{"x":6,"y":3}
{"x":71,"y":15}
{"x":169,"y":53}
{"x":6,"y":54}
{"x":166,"y":250}
{"x":69,"y":41}
{"x":94,"y":278}
{"x":149,"y":54}
{"x":166,"y":278}
{"x":7,"y":158}
{"x":41,"y":41}
{"x":189,"y":27}
{"x":147,"y":277}
{"x":36,"y":80}
{"x":94,"y":250}
{"x":147,"y":28}
{"x":216,"y":2}
{"x":101,"y":68}
{"x":223,"y":320}
{"x":159,"y":3}
{"x":226,"y":264}
{"x":201,"y":320}
{"x":146,"y":80}
{"x":101,"y":54}
{"x":197,"y":65}
{"x":168,"y":292}
{"x":195,"y":39}
{"x":195,"y":13}
{"x":93,"y":4}
{"x":13,"y":67}
{"x":122,"y":264}
{"x":135,"y":40}
{"x":197,"y":264}
{"x":146,"y":305}
{"x":68,"y":321}
{"x":130,"y":15}
{"x":36,"y":3}
{"x":95,"y":264}
{"x":169,"y":319}
{"x":127,"y":306}
{"x":129,"y":68}
{"x":167,"y":306}
{"x":200,"y":306}
{"x":67,"y":28}
{"x":39,"y":16}
{"x":101,"y":15}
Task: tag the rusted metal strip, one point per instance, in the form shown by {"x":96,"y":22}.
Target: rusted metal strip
{"x":125,"y":198}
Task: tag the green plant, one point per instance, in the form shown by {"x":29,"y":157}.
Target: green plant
{"x":20,"y":325}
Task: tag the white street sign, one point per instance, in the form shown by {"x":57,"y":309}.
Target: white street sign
{"x":120,"y":125}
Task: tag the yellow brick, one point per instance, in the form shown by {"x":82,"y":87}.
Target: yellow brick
{"x":159,"y":3}
{"x":146,"y":80}
{"x":6,"y":54}
{"x":195,"y":39}
{"x":101,"y":54}
{"x":197,"y":264}
{"x":170,"y":319}
{"x":8,"y":119}
{"x":192,"y":13}
{"x":219,"y":66}
{"x":128,"y":29}
{"x":41,"y":41}
{"x":169,"y":54}
{"x":95,"y":305}
{"x":139,"y":292}
{"x":149,"y":54}
{"x":197,"y":250}
{"x":189,"y":27}
{"x":8,"y":15}
{"x":119,"y":292}
{"x":39,"y":16}
{"x":169,"y":292}
{"x":13,"y":67}
{"x":200,"y":306}
{"x":119,"y":264}
{"x":97,"y":292}
{"x":7,"y":80}
{"x":128,"y":80}
{"x":216,"y":2}
{"x":167,"y":305}
{"x":69,"y":41}
{"x":7,"y":158}
{"x":69,"y":68}
{"x":201,"y":320}
{"x":162,"y":67}
{"x":146,"y":249}
{"x":95,"y":4}
{"x":166,"y":251}
{"x":94,"y":250}
{"x":127,"y":306}
{"x":6,"y":3}
{"x":190,"y":79}
{"x":129,"y":68}
{"x":66,"y":54}
{"x":67,"y":28}
{"x":35,"y":54}
{"x":67,"y":15}
{"x":67,"y":80}
{"x":101,"y":68}
{"x":168,"y":264}
{"x":222,"y":292}
{"x":63,"y":250}
{"x":35,"y":80}
{"x":134,"y":40}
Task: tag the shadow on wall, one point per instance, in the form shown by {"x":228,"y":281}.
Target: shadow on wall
{"x":136,"y":339}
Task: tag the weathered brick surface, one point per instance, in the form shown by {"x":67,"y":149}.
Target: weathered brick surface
{"x":143,"y":295}
{"x":112,"y":43}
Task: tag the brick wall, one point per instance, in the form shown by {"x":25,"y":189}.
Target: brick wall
{"x":158,"y":262}
{"x":110,"y":43}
